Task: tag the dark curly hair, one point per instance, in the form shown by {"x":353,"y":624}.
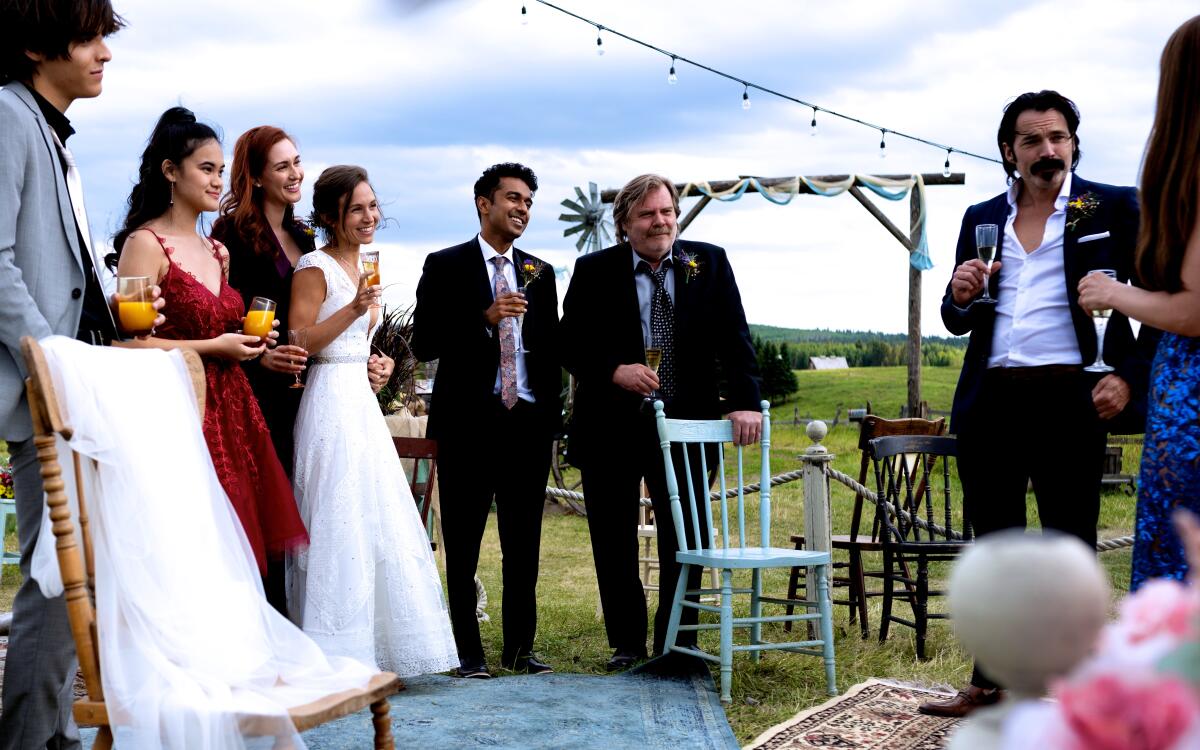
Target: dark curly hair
{"x":489,"y":181}
{"x":176,"y":136}
{"x":1042,"y":101}
{"x":49,"y":28}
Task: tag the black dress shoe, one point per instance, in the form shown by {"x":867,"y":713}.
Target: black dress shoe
{"x":477,"y":671}
{"x":623,"y":660}
{"x":530,"y":664}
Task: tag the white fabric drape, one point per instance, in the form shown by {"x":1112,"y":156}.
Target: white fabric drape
{"x":188,"y":643}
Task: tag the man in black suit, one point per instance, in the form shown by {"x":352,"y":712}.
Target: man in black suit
{"x":680,"y":295}
{"x":496,"y":407}
{"x":1025,"y":408}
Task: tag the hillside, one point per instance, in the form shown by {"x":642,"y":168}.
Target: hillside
{"x":860,"y":348}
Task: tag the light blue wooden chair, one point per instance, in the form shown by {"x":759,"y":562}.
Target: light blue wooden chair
{"x":7,"y":508}
{"x":737,"y":554}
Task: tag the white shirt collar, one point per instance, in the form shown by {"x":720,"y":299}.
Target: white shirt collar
{"x":1060,"y":203}
{"x":489,"y":252}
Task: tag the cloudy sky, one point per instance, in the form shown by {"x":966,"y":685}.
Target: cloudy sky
{"x":425,"y":94}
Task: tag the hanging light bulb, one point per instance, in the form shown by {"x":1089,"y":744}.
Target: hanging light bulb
{"x":946,"y":167}
{"x":671,"y":77}
{"x":524,"y":15}
{"x":599,"y":42}
{"x":745,"y":96}
{"x":882,"y":144}
{"x":813,"y":124}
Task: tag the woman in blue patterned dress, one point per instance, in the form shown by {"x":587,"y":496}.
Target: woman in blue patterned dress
{"x":1168,"y":263}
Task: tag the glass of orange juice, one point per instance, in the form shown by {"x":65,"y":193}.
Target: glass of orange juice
{"x":259,"y":318}
{"x":134,"y":306}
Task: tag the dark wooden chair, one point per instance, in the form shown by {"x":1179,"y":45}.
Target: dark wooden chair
{"x":77,"y":568}
{"x":914,"y":487}
{"x":856,"y":542}
{"x":422,"y":479}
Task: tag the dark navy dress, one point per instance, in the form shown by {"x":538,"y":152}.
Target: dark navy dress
{"x":1170,"y":475}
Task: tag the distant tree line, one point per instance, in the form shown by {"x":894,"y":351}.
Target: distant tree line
{"x":860,"y":348}
{"x":775,"y":365}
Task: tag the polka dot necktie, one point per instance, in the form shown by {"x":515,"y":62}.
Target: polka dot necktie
{"x":508,"y":339}
{"x":662,"y":329}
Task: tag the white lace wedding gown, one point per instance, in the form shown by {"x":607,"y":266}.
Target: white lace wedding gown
{"x":367,"y":587}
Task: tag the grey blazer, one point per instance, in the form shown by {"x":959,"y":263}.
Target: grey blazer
{"x":41,"y":270}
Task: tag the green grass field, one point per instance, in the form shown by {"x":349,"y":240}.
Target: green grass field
{"x":571,"y":634}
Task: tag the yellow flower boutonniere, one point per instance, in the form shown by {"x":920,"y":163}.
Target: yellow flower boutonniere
{"x":1081,"y":207}
{"x":691,"y":265}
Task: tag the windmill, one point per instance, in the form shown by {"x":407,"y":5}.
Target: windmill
{"x":589,"y":223}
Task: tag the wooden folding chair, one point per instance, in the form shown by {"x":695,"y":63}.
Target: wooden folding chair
{"x":422,"y":479}
{"x":78,"y":573}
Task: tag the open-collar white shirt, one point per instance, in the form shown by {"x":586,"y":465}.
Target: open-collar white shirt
{"x":510,"y":275}
{"x":1033,"y":315}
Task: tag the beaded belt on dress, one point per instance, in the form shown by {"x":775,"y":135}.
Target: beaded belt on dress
{"x":343,"y":359}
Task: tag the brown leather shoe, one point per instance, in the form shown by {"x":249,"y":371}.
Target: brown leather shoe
{"x":963,"y":703}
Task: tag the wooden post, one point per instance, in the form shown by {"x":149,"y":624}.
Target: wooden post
{"x":914,"y":310}
{"x":817,"y":531}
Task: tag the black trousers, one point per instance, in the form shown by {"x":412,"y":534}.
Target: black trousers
{"x":1038,"y":425}
{"x":505,"y":459}
{"x":612,"y":490}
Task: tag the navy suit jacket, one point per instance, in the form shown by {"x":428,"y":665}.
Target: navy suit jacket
{"x":602,"y":329}
{"x":449,"y":326}
{"x":1117,"y":214}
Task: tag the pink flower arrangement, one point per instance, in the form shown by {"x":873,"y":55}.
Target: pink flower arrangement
{"x":1140,"y":690}
{"x":6,"y":484}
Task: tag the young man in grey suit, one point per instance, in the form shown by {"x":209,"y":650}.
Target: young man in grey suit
{"x":52,"y":52}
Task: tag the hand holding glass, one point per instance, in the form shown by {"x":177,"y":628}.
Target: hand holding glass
{"x":654,"y":355}
{"x":259,"y":318}
{"x":370,"y":267}
{"x":135,"y":309}
{"x":985,"y":248}
{"x":298,"y":337}
{"x":1100,"y":321}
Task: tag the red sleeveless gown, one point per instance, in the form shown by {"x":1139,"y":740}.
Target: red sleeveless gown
{"x":234,"y":428}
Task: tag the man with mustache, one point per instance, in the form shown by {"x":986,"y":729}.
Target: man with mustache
{"x":651,"y":290}
{"x":496,"y":407}
{"x":1025,"y":409}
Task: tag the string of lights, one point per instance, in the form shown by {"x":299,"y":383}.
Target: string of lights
{"x":673,"y":78}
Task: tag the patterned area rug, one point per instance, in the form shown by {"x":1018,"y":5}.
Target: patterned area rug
{"x":872,"y":715}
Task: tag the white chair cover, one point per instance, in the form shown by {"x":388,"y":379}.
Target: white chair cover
{"x":187,"y":640}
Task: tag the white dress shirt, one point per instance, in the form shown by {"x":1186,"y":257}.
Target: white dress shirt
{"x":1033,"y":316}
{"x":510,"y":275}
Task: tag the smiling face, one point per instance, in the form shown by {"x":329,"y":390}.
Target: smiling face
{"x":1043,"y":150}
{"x":653,"y":225}
{"x":361,"y":217}
{"x":282,"y":175}
{"x":79,"y":75}
{"x":504,"y":218}
{"x":200,"y":178}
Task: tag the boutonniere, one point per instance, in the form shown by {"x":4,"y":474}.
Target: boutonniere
{"x":305,"y":228}
{"x":531,"y":270}
{"x":1081,"y":207}
{"x":691,"y":265}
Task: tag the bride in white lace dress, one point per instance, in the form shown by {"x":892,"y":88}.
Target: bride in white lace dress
{"x":367,"y":587}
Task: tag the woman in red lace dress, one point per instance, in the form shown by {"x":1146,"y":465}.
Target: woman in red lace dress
{"x":180,"y":177}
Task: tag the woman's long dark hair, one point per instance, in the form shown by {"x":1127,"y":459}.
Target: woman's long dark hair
{"x":175,"y":137}
{"x":1171,"y":166}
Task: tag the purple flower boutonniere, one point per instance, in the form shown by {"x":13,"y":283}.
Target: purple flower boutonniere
{"x":691,"y":265}
{"x":531,"y":270}
{"x":1081,"y":207}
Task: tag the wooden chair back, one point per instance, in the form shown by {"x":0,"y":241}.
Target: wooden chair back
{"x":423,"y":477}
{"x":876,"y":427}
{"x":77,"y":569}
{"x":907,"y":466}
{"x":685,"y":442}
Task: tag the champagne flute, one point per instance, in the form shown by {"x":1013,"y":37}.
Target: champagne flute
{"x":298,"y":337}
{"x":1100,"y":321}
{"x":370,"y":267}
{"x":654,"y":355}
{"x":985,"y":247}
{"x":259,"y":318}
{"x":134,"y":306}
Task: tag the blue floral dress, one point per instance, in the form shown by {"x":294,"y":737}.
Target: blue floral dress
{"x":1170,"y":475}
